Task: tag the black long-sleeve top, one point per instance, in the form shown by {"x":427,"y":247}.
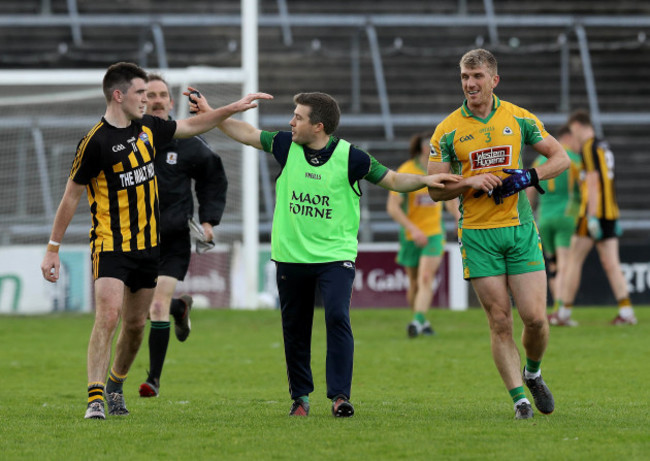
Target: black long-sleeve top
{"x":176,"y":165}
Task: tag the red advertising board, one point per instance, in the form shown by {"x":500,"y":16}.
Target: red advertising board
{"x":381,"y":282}
{"x":209,"y":276}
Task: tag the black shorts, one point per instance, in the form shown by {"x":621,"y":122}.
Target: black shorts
{"x":175,"y":252}
{"x":137,"y":269}
{"x":610,"y":228}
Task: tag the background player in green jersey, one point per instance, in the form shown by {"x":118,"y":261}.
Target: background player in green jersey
{"x":314,"y":235}
{"x":557,"y":212}
{"x":498,"y":237}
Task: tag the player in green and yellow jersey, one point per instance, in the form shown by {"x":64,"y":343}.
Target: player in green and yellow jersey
{"x":597,"y":223}
{"x":499,"y":242}
{"x":557,"y":212}
{"x":421,"y":237}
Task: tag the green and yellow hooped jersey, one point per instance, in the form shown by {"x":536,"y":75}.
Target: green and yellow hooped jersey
{"x":476,"y":146}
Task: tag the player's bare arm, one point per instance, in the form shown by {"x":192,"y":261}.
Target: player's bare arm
{"x":242,"y":132}
{"x":558,"y":159}
{"x":395,"y":211}
{"x":405,"y":182}
{"x":51,"y":264}
{"x":482,"y":182}
{"x":209,"y":119}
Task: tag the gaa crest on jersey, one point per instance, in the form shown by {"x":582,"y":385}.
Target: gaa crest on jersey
{"x":490,"y":157}
{"x":172,"y":158}
{"x":507,"y":131}
{"x":144,"y":137}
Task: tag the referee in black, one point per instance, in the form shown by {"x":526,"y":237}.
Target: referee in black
{"x":177,"y":164}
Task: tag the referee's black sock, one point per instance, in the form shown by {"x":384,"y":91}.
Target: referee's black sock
{"x":158,"y":342}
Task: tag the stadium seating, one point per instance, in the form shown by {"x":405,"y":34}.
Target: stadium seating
{"x":419,"y":65}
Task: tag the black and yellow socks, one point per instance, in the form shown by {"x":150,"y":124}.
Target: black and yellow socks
{"x":115,"y":382}
{"x":95,"y":392}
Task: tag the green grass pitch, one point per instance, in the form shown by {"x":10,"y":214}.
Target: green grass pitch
{"x":224,"y":393}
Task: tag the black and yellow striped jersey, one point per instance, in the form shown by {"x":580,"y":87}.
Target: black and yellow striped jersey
{"x":116,"y":166}
{"x":597,"y":156}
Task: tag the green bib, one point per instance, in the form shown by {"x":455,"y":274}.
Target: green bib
{"x":317,"y":213}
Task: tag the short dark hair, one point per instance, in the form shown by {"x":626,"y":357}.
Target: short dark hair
{"x":415,"y":143}
{"x":476,"y":58}
{"x":324,"y":109}
{"x":119,"y":77}
{"x":580,"y":116}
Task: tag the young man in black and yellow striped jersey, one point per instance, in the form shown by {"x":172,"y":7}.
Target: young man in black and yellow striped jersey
{"x":314,"y":235}
{"x":597,"y":222}
{"x":499,"y":242}
{"x":114,"y":164}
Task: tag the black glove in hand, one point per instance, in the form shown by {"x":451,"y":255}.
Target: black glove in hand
{"x":492,"y":193}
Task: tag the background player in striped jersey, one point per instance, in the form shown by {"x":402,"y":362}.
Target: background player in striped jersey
{"x":597,"y":224}
{"x":557,"y":213}
{"x":421,"y":236}
{"x":499,"y":242}
{"x":114,"y":164}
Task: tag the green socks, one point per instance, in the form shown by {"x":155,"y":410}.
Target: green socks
{"x":517,"y":394}
{"x":532,"y":366}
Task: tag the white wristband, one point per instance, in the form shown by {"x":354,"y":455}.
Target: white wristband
{"x":52,"y":242}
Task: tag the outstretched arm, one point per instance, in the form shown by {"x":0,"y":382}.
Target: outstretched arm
{"x":210,"y":118}
{"x":238,"y":130}
{"x":64,"y":214}
{"x":405,"y":182}
{"x":242,"y":132}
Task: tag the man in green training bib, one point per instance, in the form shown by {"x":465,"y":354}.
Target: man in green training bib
{"x":314,"y":236}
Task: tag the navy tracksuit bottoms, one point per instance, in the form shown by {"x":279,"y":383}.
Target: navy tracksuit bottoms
{"x":297,"y":290}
